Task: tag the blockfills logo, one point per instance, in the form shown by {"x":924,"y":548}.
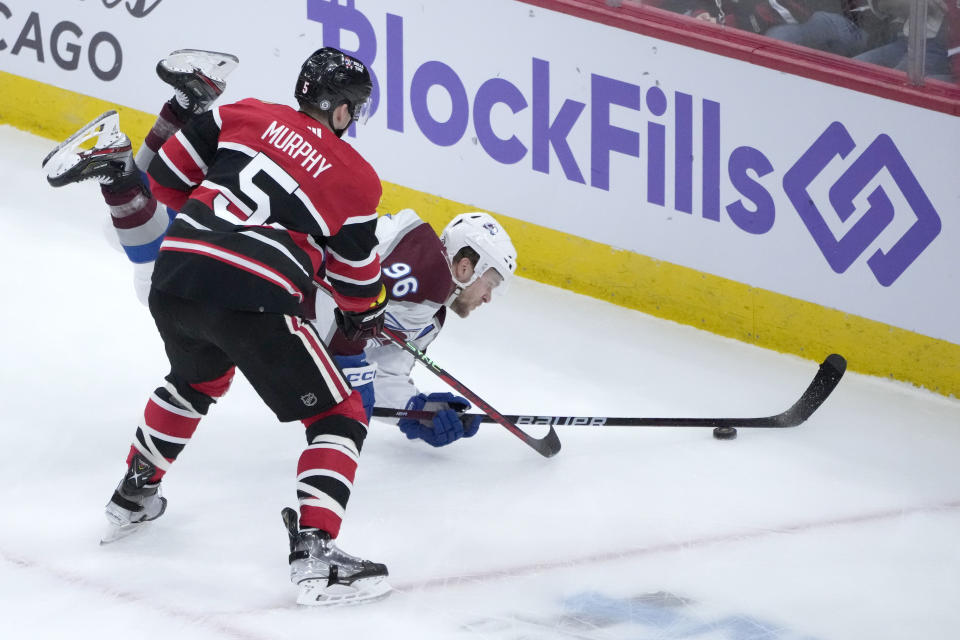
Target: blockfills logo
{"x":545,"y":117}
{"x":843,"y":251}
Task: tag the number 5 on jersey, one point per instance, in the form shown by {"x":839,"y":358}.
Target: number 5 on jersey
{"x":241,"y":212}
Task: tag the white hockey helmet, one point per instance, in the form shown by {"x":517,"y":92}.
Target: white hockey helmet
{"x":482,"y":233}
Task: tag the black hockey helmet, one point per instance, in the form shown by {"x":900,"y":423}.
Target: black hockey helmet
{"x":329,"y":78}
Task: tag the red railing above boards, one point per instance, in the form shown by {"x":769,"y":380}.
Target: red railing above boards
{"x":631,"y":15}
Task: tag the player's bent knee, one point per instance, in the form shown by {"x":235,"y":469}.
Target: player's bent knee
{"x":347,"y":420}
{"x":198,"y":396}
{"x":217,"y":387}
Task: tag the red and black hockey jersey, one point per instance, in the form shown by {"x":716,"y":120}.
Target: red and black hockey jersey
{"x":267,"y":197}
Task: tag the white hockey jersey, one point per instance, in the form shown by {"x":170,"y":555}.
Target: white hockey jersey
{"x":419,"y":282}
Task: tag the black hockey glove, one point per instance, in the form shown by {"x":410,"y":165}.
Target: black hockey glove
{"x":362,"y":325}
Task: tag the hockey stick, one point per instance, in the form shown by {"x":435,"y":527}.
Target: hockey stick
{"x":546,"y":446}
{"x":823,"y":384}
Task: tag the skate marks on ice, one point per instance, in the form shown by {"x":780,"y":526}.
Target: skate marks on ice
{"x":81,"y":588}
{"x":740,"y":536}
{"x":590,"y":615}
{"x":631,"y":593}
{"x":608,"y":595}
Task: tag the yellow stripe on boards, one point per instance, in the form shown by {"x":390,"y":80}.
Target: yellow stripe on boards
{"x":57,"y":113}
{"x":670,"y":291}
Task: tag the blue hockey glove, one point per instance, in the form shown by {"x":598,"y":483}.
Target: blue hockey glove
{"x":360,"y":375}
{"x":447,"y":425}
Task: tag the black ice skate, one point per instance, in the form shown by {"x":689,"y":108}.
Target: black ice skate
{"x":135,"y":501}
{"x":326,"y":575}
{"x":198,"y":77}
{"x":107,"y":161}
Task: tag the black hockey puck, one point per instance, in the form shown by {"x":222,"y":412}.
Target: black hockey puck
{"x":724,"y":433}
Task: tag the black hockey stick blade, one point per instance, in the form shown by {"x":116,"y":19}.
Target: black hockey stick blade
{"x":547,"y":446}
{"x":823,"y":384}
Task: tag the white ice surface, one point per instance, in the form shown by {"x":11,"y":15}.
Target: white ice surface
{"x":847,"y":527}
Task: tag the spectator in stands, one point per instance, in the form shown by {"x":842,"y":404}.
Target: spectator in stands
{"x":873,"y":31}
{"x":759,"y":16}
{"x":847,"y":29}
{"x":842,"y":27}
{"x":943,"y":39}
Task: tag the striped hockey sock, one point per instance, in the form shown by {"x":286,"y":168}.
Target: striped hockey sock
{"x":172,"y":118}
{"x":168,"y":424}
{"x":139,"y":220}
{"x":326,"y":469}
{"x":172,"y":415}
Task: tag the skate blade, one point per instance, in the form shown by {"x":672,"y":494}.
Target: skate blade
{"x":114,"y":532}
{"x":108,"y":121}
{"x":316,"y":593}
{"x":213,"y":64}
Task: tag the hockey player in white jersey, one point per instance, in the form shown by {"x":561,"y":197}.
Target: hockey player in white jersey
{"x":425,"y":275}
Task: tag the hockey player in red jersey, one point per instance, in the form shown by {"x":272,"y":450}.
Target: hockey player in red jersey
{"x":266,"y":196}
{"x":424,"y":274}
